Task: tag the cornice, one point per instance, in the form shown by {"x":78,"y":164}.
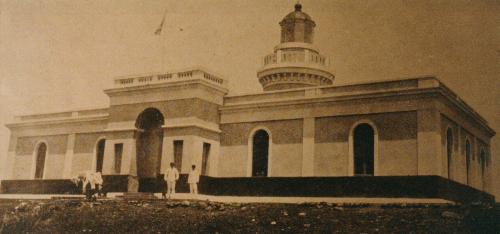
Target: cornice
{"x":57,"y":121}
{"x":322,"y":99}
{"x":165,"y":127}
{"x":440,"y":90}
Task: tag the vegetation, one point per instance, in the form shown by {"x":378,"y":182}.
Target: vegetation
{"x":160,"y":216}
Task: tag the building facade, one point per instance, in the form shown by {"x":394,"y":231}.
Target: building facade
{"x":302,"y":125}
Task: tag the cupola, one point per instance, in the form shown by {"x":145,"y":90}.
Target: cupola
{"x":295,"y":62}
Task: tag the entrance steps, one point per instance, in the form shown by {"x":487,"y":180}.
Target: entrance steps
{"x":136,"y":196}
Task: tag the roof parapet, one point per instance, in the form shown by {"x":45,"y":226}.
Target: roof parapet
{"x":169,"y":77}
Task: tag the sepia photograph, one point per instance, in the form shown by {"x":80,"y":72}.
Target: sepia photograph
{"x":249,"y":116}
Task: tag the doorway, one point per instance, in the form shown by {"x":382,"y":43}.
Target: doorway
{"x":260,"y":153}
{"x":364,"y":150}
{"x":149,"y":141}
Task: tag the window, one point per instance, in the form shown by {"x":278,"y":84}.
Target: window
{"x":482,"y":162}
{"x":260,"y":153}
{"x":204,"y":158}
{"x":178,"y":147}
{"x":449,"y":150}
{"x":364,"y":150}
{"x":118,"y":157}
{"x":40,"y":160}
{"x":100,"y":155}
{"x":467,"y":159}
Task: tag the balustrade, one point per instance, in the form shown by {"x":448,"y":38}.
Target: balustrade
{"x":161,"y":78}
{"x":295,"y":57}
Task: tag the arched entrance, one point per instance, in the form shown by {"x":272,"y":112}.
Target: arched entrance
{"x":41,"y":154}
{"x":449,"y":151}
{"x":100,"y":155}
{"x":260,"y":153}
{"x":364,"y":138}
{"x":149,"y":139}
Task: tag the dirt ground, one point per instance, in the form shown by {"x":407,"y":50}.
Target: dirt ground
{"x":160,"y":216}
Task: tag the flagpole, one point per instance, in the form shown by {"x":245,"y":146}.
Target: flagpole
{"x":163,"y":42}
{"x":162,"y":51}
{"x":159,"y":32}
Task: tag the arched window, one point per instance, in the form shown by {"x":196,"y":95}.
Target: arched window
{"x":41,"y":153}
{"x":260,"y":153}
{"x":364,"y":149}
{"x":467,"y":159}
{"x":449,"y":150}
{"x":482,"y":162}
{"x":100,"y":155}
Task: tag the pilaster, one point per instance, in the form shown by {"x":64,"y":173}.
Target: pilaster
{"x":429,"y":157}
{"x":308,"y":147}
{"x":8,"y":167}
{"x":129,"y":158}
{"x":68,"y":158}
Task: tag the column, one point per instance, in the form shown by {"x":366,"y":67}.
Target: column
{"x":167,"y":154}
{"x":68,"y":158}
{"x":278,"y":56}
{"x":108,"y":162}
{"x":129,"y":158}
{"x":308,"y":147}
{"x":429,"y":157}
{"x":194,"y":152}
{"x":214,"y":158}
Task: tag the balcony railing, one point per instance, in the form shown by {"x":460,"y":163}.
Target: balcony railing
{"x":295,"y":57}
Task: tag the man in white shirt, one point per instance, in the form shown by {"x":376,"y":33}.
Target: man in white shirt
{"x":89,"y":181}
{"x":98,"y":182}
{"x":193,"y":179}
{"x":171,"y":176}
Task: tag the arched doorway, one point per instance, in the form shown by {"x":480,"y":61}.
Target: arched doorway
{"x":449,"y":151}
{"x":260,"y":153}
{"x":41,"y":154}
{"x":467,"y":159}
{"x":100,"y":155}
{"x":364,"y":149}
{"x":149,"y":140}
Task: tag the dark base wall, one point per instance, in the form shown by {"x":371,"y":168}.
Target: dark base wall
{"x":112,"y":183}
{"x":377,"y":186}
{"x":369,"y":186}
{"x":119,"y":183}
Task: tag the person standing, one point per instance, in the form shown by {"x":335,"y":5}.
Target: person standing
{"x":193,"y":179}
{"x":171,"y":176}
{"x":89,"y":185}
{"x":98,"y":182}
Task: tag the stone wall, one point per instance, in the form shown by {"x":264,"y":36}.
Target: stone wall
{"x":285,"y":151}
{"x":190,"y":107}
{"x":25,"y":156}
{"x":458,"y":171}
{"x":396,"y":133}
{"x":397,"y":153}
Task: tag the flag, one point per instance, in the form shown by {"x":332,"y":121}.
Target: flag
{"x":160,"y":28}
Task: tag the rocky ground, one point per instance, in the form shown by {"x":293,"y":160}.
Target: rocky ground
{"x":159,"y":216}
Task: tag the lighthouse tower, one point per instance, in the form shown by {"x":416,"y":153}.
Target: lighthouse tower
{"x":295,"y":62}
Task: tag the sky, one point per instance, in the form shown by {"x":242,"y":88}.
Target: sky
{"x":60,"y":55}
